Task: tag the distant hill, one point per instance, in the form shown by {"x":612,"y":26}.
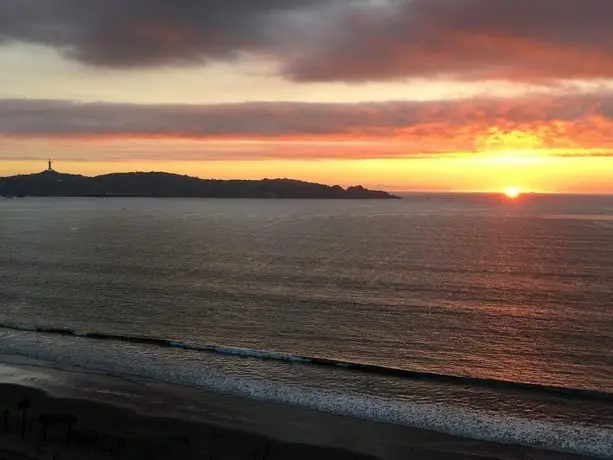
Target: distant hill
{"x":160,"y":184}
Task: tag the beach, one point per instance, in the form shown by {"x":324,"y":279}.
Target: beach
{"x":119,"y":417}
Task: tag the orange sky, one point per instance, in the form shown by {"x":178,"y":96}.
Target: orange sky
{"x":461,"y":173}
{"x":421,"y":95}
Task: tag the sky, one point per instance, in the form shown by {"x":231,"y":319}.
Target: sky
{"x":446,"y":95}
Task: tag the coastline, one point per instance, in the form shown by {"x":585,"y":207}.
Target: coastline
{"x":130,"y":418}
{"x":51,"y":183}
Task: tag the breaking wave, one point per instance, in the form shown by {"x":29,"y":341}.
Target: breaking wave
{"x":564,"y":437}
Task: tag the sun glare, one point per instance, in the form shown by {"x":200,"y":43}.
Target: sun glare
{"x":512,"y":192}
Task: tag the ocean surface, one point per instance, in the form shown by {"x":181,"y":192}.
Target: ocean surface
{"x":468,"y":314}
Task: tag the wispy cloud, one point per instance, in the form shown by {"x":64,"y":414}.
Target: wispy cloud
{"x":563,"y":125}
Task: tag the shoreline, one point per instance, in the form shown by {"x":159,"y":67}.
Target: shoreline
{"x":273,"y":355}
{"x":187,"y":197}
{"x":51,"y":183}
{"x":133,"y":418}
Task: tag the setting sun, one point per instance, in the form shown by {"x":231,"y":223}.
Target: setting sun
{"x":512,"y":192}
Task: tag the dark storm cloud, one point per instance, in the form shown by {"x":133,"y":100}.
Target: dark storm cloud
{"x":523,"y":40}
{"x":124,"y":33}
{"x":332,"y":40}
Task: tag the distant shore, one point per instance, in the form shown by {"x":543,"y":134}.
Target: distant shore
{"x":51,"y":183}
{"x":115,"y":417}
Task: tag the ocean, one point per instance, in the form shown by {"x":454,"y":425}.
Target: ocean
{"x":467,"y":314}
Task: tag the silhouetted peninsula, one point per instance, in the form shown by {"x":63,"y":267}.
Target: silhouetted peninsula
{"x":165,"y":185}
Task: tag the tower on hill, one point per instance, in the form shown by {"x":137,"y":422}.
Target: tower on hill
{"x":50,"y":163}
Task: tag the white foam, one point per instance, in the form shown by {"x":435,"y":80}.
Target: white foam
{"x":572,"y":438}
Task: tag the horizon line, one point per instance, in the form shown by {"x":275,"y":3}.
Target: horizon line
{"x":390,"y":189}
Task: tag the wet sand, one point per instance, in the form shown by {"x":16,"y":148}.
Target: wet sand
{"x":115,"y":417}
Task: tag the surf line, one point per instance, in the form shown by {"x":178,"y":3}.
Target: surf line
{"x":319,"y":361}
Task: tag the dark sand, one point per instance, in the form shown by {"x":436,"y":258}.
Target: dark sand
{"x":138,"y":419}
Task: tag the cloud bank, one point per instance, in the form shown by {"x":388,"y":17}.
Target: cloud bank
{"x":141,"y":33}
{"x":516,"y":40}
{"x":572,"y":124}
{"x":328,"y":40}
